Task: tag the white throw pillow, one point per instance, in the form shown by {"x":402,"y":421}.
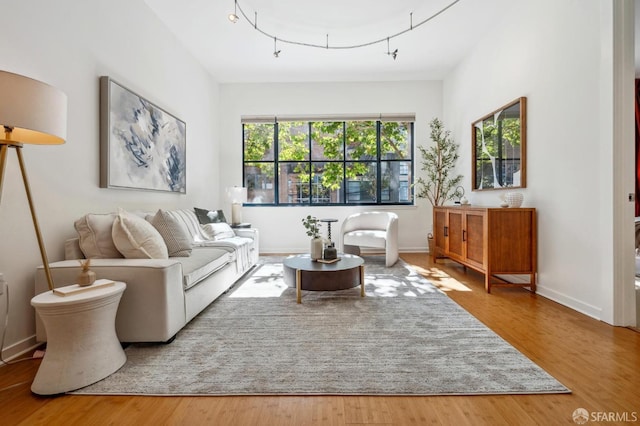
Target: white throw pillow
{"x":94,"y":232}
{"x":136,"y":238}
{"x":175,"y":235}
{"x":218,"y":231}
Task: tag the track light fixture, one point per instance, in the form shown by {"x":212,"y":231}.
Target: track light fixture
{"x":233,"y":17}
{"x":276,"y":52}
{"x":393,"y":54}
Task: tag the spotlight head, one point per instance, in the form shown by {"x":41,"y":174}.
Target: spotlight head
{"x":394,"y":54}
{"x":233,"y":17}
{"x":276,"y":53}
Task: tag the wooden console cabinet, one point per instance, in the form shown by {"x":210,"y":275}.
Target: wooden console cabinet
{"x":494,"y":241}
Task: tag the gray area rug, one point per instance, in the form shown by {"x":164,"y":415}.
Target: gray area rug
{"x":404,"y":338}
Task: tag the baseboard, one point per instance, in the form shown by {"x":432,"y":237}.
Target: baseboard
{"x":570,"y":302}
{"x":20,"y":348}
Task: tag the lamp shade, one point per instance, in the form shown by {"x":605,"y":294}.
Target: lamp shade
{"x":237,"y":194}
{"x":35,"y":112}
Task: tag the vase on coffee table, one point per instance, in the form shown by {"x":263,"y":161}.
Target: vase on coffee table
{"x":316,"y":248}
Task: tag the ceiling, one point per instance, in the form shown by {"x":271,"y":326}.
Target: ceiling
{"x":238,"y":53}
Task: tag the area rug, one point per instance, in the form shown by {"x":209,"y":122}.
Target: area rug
{"x":404,"y":338}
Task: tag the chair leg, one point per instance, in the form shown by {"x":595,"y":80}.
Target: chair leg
{"x":390,"y":258}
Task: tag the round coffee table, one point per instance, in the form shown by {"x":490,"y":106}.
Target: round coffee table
{"x":305,"y":274}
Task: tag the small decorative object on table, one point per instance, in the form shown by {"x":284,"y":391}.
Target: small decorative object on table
{"x":330,"y":252}
{"x":462,"y":200}
{"x":514,"y":199}
{"x":313,"y":230}
{"x":86,"y":276}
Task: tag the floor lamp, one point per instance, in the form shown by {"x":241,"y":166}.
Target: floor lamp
{"x":31,"y":112}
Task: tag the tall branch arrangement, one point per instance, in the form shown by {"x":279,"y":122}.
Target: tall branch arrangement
{"x":438,"y":161}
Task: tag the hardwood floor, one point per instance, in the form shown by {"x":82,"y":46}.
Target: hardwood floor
{"x":599,"y":363}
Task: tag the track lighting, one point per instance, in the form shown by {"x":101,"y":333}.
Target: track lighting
{"x":393,"y":54}
{"x":276,"y":52}
{"x":233,"y":17}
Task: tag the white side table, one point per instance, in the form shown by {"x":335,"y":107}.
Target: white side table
{"x":82,"y":345}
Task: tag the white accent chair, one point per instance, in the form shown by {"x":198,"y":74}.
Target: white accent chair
{"x":371,"y":229}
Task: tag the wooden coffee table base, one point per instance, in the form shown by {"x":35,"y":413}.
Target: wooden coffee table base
{"x":303,"y":274}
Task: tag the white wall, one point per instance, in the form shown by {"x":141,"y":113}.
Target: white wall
{"x":558,"y":55}
{"x":280,"y":228}
{"x":69,"y":44}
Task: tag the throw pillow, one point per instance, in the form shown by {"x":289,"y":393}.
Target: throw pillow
{"x":136,"y":238}
{"x":94,"y":232}
{"x":209,"y":216}
{"x":176,"y":237}
{"x":218,"y":231}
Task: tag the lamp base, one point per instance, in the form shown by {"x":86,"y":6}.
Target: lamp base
{"x":236,"y":214}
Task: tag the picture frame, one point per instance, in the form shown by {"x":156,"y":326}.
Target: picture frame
{"x":142,"y":146}
{"x":499,"y":148}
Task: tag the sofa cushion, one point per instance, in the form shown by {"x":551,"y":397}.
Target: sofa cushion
{"x":175,"y":235}
{"x":209,"y":216}
{"x":94,"y":232}
{"x":218,"y":231}
{"x":203,"y":262}
{"x":136,"y":238}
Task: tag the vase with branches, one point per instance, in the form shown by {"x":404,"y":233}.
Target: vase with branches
{"x":438,"y":161}
{"x":312,"y":226}
{"x":86,"y":276}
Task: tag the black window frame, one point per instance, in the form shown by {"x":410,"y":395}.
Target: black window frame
{"x":378,"y":161}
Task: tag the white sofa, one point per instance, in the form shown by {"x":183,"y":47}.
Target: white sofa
{"x":162,"y":295}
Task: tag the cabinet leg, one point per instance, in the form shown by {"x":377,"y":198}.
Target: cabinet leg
{"x":487,"y":282}
{"x":533,"y":283}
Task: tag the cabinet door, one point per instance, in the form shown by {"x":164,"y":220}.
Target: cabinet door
{"x":474,"y":238}
{"x":513,"y":241}
{"x":455,"y":227}
{"x":439,"y":233}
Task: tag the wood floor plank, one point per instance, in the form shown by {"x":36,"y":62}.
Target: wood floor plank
{"x":366,"y":410}
{"x":599,"y":363}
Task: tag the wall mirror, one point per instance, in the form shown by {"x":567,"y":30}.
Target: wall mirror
{"x":499,"y":148}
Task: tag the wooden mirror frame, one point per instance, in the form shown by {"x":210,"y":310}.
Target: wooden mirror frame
{"x":498,"y":117}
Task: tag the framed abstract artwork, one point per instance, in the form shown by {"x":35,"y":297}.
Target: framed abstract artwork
{"x":142,"y":146}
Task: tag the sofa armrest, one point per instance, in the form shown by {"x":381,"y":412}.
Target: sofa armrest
{"x":152,"y":307}
{"x":246,"y":232}
{"x":250,"y":233}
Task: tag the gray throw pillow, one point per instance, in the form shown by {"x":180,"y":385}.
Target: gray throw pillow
{"x":209,"y":216}
{"x":175,"y":236}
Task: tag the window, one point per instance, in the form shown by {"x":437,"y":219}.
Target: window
{"x":327,"y":161}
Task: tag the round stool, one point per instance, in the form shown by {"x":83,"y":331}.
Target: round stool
{"x":82,"y":345}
